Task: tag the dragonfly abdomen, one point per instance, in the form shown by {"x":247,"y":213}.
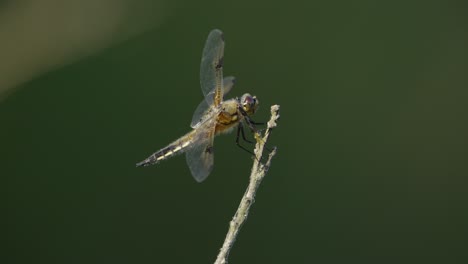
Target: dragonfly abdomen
{"x":172,"y":149}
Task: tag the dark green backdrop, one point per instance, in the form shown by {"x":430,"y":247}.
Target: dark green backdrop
{"x":372,"y":144}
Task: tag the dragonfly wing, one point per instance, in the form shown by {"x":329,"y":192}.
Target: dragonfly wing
{"x":211,"y":68}
{"x":200,"y":115}
{"x":202,"y":112}
{"x":200,"y":156}
{"x":228,"y":83}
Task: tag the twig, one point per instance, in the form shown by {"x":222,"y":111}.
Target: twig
{"x":256,"y":176}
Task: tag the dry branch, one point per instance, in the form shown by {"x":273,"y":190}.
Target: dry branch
{"x":256,"y":176}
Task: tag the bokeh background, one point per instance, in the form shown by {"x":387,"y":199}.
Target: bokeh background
{"x":372,"y":144}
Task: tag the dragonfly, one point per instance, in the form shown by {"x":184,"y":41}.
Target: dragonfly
{"x":213,"y":116}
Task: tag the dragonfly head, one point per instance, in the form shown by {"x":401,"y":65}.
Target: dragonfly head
{"x":249,"y":103}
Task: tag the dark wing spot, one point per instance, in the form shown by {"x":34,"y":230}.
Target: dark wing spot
{"x":209,"y":149}
{"x":220,"y":63}
{"x":222,"y":36}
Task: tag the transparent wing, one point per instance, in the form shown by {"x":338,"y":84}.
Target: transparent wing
{"x":228,"y":83}
{"x":200,"y":156}
{"x":201,"y":113}
{"x":211,"y":68}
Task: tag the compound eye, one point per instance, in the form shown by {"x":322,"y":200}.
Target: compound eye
{"x":248,"y":101}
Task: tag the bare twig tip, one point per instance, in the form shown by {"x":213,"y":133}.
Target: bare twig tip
{"x":274,"y":116}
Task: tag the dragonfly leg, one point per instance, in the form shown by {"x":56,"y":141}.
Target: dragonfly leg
{"x":252,"y":127}
{"x":257,"y":123}
{"x":240,"y":130}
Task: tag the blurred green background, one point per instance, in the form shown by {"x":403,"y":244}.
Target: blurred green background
{"x":372,"y":143}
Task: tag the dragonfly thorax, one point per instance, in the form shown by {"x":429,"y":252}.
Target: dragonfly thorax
{"x":249,"y":103}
